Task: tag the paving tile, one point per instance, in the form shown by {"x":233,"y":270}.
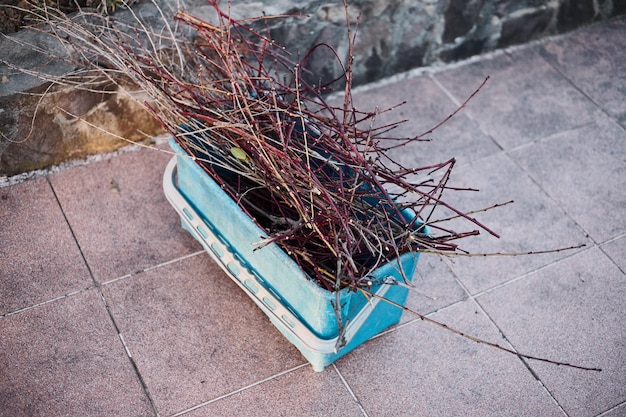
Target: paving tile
{"x":525,"y":99}
{"x":616,"y":250}
{"x":573,"y":312}
{"x":39,"y":259}
{"x":65,"y":359}
{"x":120,"y":215}
{"x":194,"y":334}
{"x":584,"y":170}
{"x":434,"y":287}
{"x":426,"y":106}
{"x":423,"y":370}
{"x":533,"y":222}
{"x":595,"y":60}
{"x":298,"y":393}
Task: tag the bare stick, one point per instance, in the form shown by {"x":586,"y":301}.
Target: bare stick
{"x":454,"y":113}
{"x":479,"y":340}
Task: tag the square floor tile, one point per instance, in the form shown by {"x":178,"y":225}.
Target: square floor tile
{"x":533,"y":222}
{"x":426,"y":106}
{"x":39,"y":258}
{"x":298,"y":393}
{"x":424,"y":370}
{"x":194,"y":334}
{"x":584,"y":171}
{"x":595,"y":60}
{"x":573,"y":312}
{"x":120,"y":215}
{"x":525,"y":99}
{"x":65,"y":359}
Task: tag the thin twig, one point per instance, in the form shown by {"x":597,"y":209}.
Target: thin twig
{"x":479,"y":340}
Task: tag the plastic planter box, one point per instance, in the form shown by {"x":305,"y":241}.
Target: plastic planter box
{"x":298,"y":307}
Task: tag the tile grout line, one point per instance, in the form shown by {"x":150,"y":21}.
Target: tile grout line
{"x":446,"y":92}
{"x":551,"y":198}
{"x":534,"y":271}
{"x":153,"y":267}
{"x":524,"y":361}
{"x":105,"y":303}
{"x":349,"y":389}
{"x":237,"y":391}
{"x":613,"y":239}
{"x":43,"y":303}
{"x":606,"y":412}
{"x":69,"y":226}
{"x":92,"y":286}
{"x":549,"y":137}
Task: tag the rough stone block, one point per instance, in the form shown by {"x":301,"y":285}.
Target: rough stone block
{"x":45,"y":124}
{"x":507,"y":7}
{"x":460,"y":18}
{"x":44,"y":130}
{"x":525,"y":25}
{"x":575,"y":13}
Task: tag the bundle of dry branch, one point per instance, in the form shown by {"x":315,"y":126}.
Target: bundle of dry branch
{"x":317,"y":177}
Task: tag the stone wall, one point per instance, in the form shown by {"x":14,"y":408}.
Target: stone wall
{"x":393,"y":36}
{"x":398,"y":35}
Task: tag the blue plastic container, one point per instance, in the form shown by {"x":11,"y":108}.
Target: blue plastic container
{"x":298,"y":307}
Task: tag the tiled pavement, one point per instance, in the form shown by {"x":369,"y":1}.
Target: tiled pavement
{"x":108,"y":308}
